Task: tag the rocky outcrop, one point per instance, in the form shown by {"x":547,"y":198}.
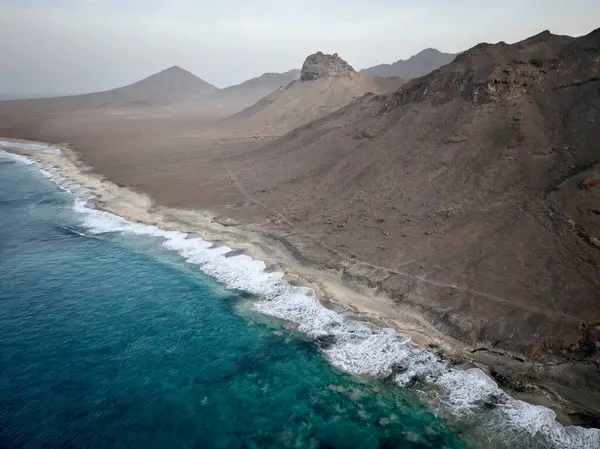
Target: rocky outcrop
{"x":320,"y":65}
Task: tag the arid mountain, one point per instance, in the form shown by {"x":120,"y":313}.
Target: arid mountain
{"x":173,"y":94}
{"x":268,"y":80}
{"x":170,"y":85}
{"x":326,"y":84}
{"x":470,"y":195}
{"x":166,"y":87}
{"x":230,"y":100}
{"x":417,"y":65}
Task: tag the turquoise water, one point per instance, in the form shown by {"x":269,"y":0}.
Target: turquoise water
{"x":112,"y":336}
{"x":109,"y":340}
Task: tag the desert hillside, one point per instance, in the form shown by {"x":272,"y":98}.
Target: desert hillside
{"x":326,"y":84}
{"x":170,"y":85}
{"x":173,"y":94}
{"x":469,"y":195}
{"x":230,"y":100}
{"x":459,"y":176}
{"x":151,"y":97}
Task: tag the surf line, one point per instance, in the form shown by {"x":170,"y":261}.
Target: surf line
{"x":353,"y":346}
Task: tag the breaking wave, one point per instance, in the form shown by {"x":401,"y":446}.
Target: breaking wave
{"x":468,"y":398}
{"x":29,"y":146}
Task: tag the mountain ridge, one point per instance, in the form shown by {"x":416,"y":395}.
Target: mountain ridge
{"x":268,"y":78}
{"x":417,"y":65}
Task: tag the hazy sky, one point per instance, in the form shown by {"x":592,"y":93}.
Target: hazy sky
{"x":66,"y":46}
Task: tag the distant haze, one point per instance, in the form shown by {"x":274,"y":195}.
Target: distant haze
{"x":72,"y":46}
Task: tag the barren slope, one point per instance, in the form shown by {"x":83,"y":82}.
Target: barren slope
{"x":173,"y":95}
{"x":327,"y":83}
{"x":230,"y":100}
{"x":170,"y":85}
{"x":151,"y":94}
{"x":470,"y":194}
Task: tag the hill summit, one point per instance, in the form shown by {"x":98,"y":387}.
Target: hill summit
{"x":166,"y":86}
{"x":320,"y":65}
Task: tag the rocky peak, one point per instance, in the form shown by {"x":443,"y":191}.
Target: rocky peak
{"x":320,"y":65}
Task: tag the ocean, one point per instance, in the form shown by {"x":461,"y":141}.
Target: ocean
{"x":118,"y":334}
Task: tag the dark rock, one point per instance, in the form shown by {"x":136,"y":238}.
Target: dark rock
{"x":512,"y":384}
{"x":325,"y":341}
{"x":235,"y":252}
{"x":590,"y":335}
{"x":225,"y":221}
{"x":399,"y":368}
{"x":492,"y":402}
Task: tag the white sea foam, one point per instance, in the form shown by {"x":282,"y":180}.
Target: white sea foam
{"x":29,"y":146}
{"x":358,"y":347}
{"x":16,"y":157}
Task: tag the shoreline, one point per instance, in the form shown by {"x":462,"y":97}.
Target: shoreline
{"x":334,"y":291}
{"x":329,"y":284}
